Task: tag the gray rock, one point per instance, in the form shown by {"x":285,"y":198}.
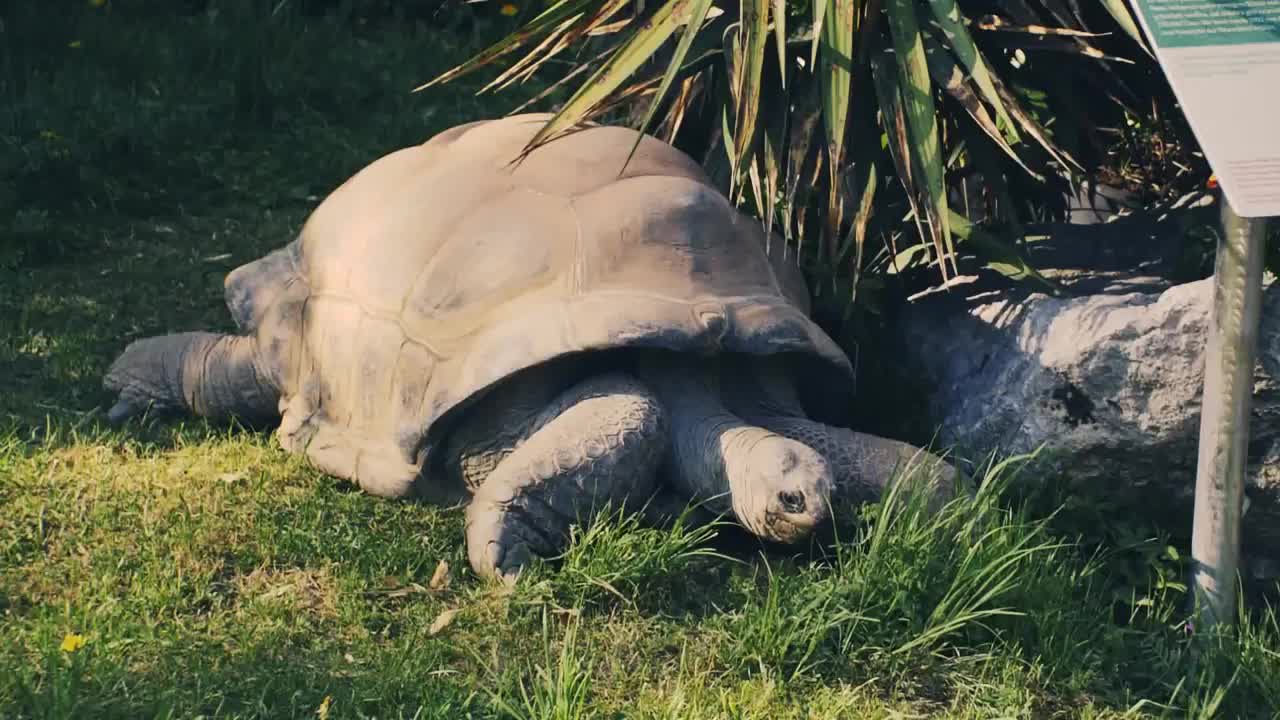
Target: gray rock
{"x":1108,"y":385}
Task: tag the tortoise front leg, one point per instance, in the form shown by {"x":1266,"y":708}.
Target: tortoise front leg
{"x":208,"y":374}
{"x":599,"y":441}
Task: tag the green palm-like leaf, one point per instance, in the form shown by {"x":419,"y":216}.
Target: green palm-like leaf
{"x":856,"y":238}
{"x":1120,"y":12}
{"x":697,"y":14}
{"x":951,"y":22}
{"x":819,"y":17}
{"x":1034,"y":128}
{"x":1000,"y":256}
{"x":884,"y":73}
{"x":837,"y":72}
{"x":733,"y":67}
{"x":922,"y":123}
{"x":949,"y":77}
{"x":779,"y":15}
{"x":556,"y":40}
{"x":755,"y":21}
{"x":638,"y":48}
{"x":802,"y":147}
{"x":551,"y":18}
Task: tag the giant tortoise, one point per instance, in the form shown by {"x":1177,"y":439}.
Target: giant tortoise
{"x":540,"y":336}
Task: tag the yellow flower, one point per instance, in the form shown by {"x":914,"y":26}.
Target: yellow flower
{"x":508,"y":9}
{"x":322,"y":712}
{"x":72,"y":642}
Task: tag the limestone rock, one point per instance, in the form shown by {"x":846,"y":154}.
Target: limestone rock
{"x":1108,"y":384}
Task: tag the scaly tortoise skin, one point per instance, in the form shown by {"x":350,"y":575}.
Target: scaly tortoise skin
{"x":539,"y":337}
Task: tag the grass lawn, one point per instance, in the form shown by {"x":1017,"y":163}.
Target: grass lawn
{"x":183,"y":570}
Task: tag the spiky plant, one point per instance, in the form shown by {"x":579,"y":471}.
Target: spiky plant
{"x":917,"y":122}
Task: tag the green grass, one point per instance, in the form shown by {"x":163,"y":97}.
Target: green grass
{"x":212,"y":575}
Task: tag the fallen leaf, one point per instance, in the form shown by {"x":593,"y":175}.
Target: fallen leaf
{"x":440,"y":578}
{"x":442,"y":621}
{"x":410,"y":589}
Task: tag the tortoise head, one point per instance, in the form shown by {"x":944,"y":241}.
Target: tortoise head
{"x":781,"y":488}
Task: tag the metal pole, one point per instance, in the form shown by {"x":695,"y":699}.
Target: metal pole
{"x":1224,"y":422}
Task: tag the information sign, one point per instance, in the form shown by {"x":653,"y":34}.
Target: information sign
{"x":1222,"y":58}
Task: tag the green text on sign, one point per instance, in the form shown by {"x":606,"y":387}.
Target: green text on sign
{"x":1202,"y":23}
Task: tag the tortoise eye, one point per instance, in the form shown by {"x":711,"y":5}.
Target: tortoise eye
{"x":792,"y":501}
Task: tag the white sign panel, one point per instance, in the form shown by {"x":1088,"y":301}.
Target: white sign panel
{"x":1222,"y":58}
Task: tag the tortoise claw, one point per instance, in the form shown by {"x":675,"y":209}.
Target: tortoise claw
{"x":499,"y":542}
{"x":121,"y":412}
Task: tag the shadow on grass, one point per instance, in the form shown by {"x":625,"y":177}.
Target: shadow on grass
{"x":145,"y":152}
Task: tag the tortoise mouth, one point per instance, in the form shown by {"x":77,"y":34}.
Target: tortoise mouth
{"x":788,"y":522}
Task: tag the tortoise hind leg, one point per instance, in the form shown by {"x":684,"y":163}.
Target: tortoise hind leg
{"x":600,"y":441}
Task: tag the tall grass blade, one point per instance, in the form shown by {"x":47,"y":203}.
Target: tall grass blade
{"x":800,"y":147}
{"x":856,"y":238}
{"x":569,"y":76}
{"x":574,"y":32}
{"x":770,"y":188}
{"x":690,"y":87}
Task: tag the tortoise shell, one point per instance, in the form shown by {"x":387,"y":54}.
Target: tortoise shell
{"x":441,"y":269}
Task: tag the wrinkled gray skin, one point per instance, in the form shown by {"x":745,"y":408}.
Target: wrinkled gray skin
{"x":547,"y":445}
